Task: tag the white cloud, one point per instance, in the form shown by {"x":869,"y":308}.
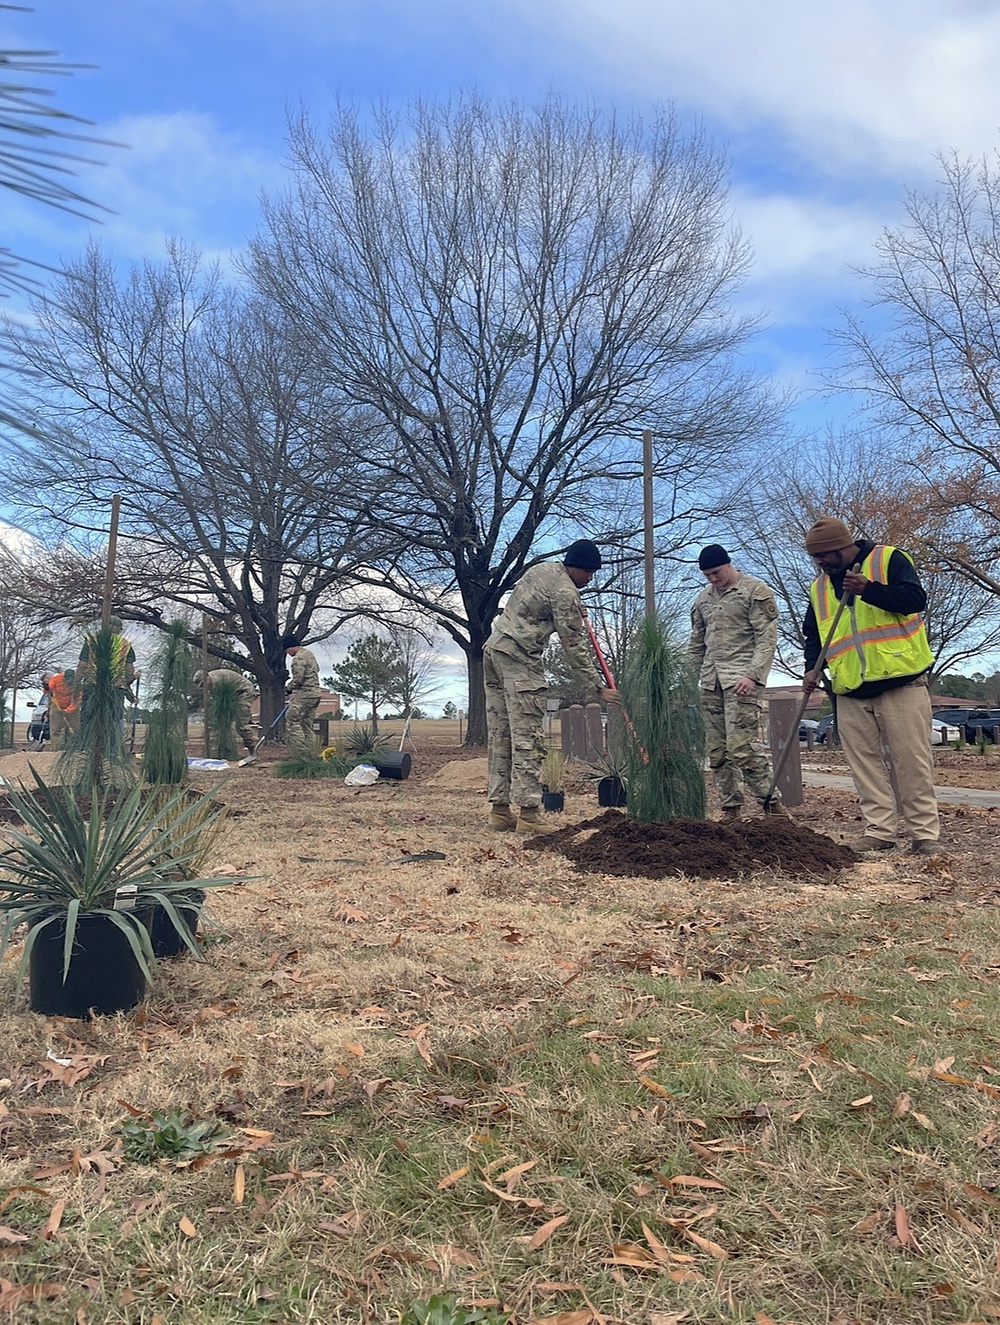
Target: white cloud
{"x":887,"y":81}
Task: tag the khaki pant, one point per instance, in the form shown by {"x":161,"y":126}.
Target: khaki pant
{"x":62,"y":725}
{"x":902,"y":718}
{"x":736,"y":751}
{"x":515,"y":709}
{"x":299,"y":736}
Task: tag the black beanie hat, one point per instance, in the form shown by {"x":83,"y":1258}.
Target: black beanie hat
{"x":583,"y":554}
{"x":712,"y":556}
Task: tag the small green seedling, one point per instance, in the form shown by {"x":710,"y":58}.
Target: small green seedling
{"x":173,"y":1135}
{"x":443,"y":1309}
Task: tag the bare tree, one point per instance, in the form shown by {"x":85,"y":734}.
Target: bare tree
{"x":510,"y":296}
{"x":851,"y":475}
{"x":187,"y":396}
{"x":27,"y":646}
{"x":928,"y":360}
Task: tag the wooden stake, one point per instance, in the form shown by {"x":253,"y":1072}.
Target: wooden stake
{"x":647,"y":519}
{"x":204,"y":678}
{"x":109,"y":574}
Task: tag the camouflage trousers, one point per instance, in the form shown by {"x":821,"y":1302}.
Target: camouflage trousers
{"x":515,"y":708}
{"x":736,"y":752}
{"x":244,"y":724}
{"x":299,"y":736}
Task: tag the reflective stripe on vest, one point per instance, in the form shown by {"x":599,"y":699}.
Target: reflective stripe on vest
{"x":870,"y":644}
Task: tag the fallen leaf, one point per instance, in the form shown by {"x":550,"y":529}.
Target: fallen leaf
{"x":655,"y":1088}
{"x":583,"y":1317}
{"x":450,"y":1179}
{"x":690,"y":1180}
{"x":187,"y":1228}
{"x":904,"y":1233}
{"x":51,"y":1226}
{"x":8,"y":1235}
{"x":901,"y":1106}
{"x":239,"y":1185}
{"x":542,"y":1235}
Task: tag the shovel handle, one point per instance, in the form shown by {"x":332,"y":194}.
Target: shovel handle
{"x":612,"y":686}
{"x":793,"y":735}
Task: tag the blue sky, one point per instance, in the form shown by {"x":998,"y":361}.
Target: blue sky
{"x":827,"y":113}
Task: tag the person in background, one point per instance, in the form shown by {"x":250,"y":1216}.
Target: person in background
{"x":545,"y":599}
{"x":303,"y":692}
{"x":878,"y":660}
{"x":122,"y":660}
{"x":64,"y":708}
{"x":734,"y":632}
{"x":243,"y":722}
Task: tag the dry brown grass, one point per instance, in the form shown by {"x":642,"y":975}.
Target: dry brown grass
{"x":393,"y":1042}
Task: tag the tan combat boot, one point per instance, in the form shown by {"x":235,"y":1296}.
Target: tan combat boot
{"x":502,"y":818}
{"x":530,"y":821}
{"x":776,"y":808}
{"x":732,"y":812}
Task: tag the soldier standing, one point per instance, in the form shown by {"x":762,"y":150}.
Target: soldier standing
{"x":734,"y":632}
{"x":545,"y":599}
{"x":304,"y":695}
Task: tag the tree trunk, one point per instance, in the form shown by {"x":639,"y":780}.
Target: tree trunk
{"x":272,"y":701}
{"x":475,"y":732}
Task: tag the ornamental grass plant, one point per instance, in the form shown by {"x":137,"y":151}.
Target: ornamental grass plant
{"x":663,"y":736}
{"x":96,"y":757}
{"x":224,"y":699}
{"x":164,"y":759}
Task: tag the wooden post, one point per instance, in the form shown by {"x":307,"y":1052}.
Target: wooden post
{"x":204,"y":678}
{"x":782,"y":724}
{"x":109,"y":573}
{"x":13,"y":697}
{"x":647,"y":520}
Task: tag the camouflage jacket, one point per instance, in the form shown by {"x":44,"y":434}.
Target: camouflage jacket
{"x":305,"y":672}
{"x":544,"y":600}
{"x":734,"y":632}
{"x":243,"y":683}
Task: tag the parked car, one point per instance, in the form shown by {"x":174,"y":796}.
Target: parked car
{"x":945,"y":733}
{"x":806,"y":726}
{"x":826,"y":731}
{"x":971,"y":721}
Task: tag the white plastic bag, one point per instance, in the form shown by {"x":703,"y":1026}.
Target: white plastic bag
{"x":362,"y":776}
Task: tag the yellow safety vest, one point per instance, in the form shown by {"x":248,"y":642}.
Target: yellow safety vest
{"x":869,"y":644}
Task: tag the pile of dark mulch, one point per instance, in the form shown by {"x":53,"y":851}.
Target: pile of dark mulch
{"x":612,"y":844}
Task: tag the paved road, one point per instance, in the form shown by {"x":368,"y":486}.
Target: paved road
{"x":955,"y":795}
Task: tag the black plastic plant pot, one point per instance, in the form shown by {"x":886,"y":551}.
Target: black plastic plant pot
{"x":104,"y":976}
{"x":392,"y":764}
{"x":611,"y":792}
{"x":553,"y":801}
{"x":163,"y":933}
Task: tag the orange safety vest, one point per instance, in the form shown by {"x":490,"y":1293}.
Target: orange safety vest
{"x":64,"y":695}
{"x":870,"y":644}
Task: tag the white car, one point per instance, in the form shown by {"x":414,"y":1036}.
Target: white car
{"x":944,"y":733}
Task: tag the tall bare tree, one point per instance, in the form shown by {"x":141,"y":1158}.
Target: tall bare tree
{"x":189,"y":398}
{"x":928,"y":358}
{"x":510,"y":296}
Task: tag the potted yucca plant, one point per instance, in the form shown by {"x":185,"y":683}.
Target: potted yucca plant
{"x":83,"y":879}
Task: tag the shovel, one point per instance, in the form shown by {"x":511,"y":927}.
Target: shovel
{"x":793,"y":734}
{"x":251,"y":758}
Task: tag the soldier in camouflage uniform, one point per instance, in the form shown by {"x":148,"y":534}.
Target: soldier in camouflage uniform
{"x":733,"y":636}
{"x":304,"y":695}
{"x":246,"y":691}
{"x":545,"y":599}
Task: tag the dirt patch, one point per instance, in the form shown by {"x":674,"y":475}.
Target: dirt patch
{"x":17,"y":767}
{"x":612,"y":844}
{"x":460,"y":775}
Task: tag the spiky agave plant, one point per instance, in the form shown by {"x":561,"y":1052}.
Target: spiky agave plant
{"x":224,"y":698}
{"x":96,"y":756}
{"x":164,"y":759}
{"x":664,"y":751}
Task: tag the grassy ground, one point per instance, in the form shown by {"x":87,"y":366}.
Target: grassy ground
{"x":574,"y":1097}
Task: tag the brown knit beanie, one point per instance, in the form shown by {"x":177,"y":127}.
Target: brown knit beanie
{"x":828,"y":535}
